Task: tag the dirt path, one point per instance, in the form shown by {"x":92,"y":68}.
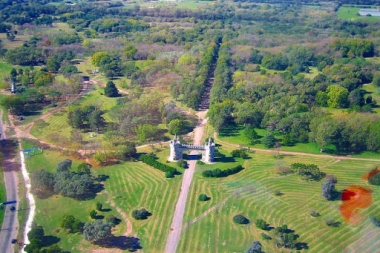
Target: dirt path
{"x":296,"y":153}
{"x":176,"y":227}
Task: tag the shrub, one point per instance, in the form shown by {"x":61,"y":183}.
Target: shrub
{"x":314,"y":213}
{"x":222,"y":173}
{"x":331,"y":223}
{"x":308,"y":171}
{"x":169,"y":174}
{"x":239,"y":153}
{"x":113,"y":219}
{"x":93,"y":214}
{"x":374,"y":179}
{"x":262,"y":224}
{"x":203,"y":197}
{"x":99,"y":206}
{"x":157,"y":165}
{"x":375,"y":221}
{"x":278,"y":193}
{"x":266,"y":237}
{"x":141,"y":214}
{"x":199,"y":162}
{"x":182,"y":163}
{"x":240,"y":219}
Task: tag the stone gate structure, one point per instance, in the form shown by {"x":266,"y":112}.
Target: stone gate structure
{"x":177,"y":149}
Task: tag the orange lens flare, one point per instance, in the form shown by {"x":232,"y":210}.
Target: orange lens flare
{"x":354,"y":198}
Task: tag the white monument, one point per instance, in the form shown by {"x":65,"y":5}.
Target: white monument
{"x":177,"y":149}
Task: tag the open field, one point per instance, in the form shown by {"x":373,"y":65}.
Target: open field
{"x":5,"y":71}
{"x":131,"y":185}
{"x":251,"y":192}
{"x":350,"y":13}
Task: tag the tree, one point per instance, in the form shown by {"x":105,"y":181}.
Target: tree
{"x":250,"y":133}
{"x":141,"y":214}
{"x":53,"y":64}
{"x":99,"y":206}
{"x":93,"y":214}
{"x":262,"y":224}
{"x":42,"y":182}
{"x":240,"y":219}
{"x":375,"y":179}
{"x":322,"y":131}
{"x":176,"y":126}
{"x":96,"y":120}
{"x":203,"y":197}
{"x":96,"y":231}
{"x":375,"y":221}
{"x":14,"y":104}
{"x":328,"y":188}
{"x":36,"y":237}
{"x":64,"y":166}
{"x":73,"y":225}
{"x":269,"y":140}
{"x":255,"y":247}
{"x":84,"y":168}
{"x":110,"y":90}
{"x":337,"y":96}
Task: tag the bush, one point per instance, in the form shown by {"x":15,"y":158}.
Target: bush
{"x":182,"y":163}
{"x":222,"y":173}
{"x":93,"y":214}
{"x":113,"y":219}
{"x":169,"y":174}
{"x":262,"y":224}
{"x":203,"y":197}
{"x":199,"y":162}
{"x":278,"y":193}
{"x":375,"y":221}
{"x":141,"y":214}
{"x":314,"y":213}
{"x":169,"y":171}
{"x":99,"y":206}
{"x":266,"y":237}
{"x":374,"y":179}
{"x":239,"y":153}
{"x":240,"y":219}
{"x":331,"y":223}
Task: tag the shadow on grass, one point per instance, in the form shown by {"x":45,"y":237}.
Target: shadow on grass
{"x":225,"y":159}
{"x":231,"y":130}
{"x":301,"y":245}
{"x":49,"y":240}
{"x":121,"y":242}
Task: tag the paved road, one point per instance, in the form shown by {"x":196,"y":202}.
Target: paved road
{"x":176,"y":227}
{"x":9,"y":228}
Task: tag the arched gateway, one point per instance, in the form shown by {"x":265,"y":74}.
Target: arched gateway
{"x":176,"y":150}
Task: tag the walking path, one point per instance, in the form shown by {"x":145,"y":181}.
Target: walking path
{"x":176,"y":227}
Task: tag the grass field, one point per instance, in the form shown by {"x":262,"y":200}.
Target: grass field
{"x":350,"y":13}
{"x":5,"y":70}
{"x":251,"y":192}
{"x":131,"y":185}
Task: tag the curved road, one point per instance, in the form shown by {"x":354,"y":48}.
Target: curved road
{"x":9,"y":228}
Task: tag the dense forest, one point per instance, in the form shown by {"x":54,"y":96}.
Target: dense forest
{"x":289,"y":68}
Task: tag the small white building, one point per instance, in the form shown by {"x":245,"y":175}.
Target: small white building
{"x":369,"y":12}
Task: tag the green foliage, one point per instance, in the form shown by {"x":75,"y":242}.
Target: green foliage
{"x":176,"y":126}
{"x":255,"y":247}
{"x":203,"y":197}
{"x":222,"y":173}
{"x":68,"y":70}
{"x":14,"y":104}
{"x":25,"y":56}
{"x":145,"y":132}
{"x":375,"y":179}
{"x":265,"y":237}
{"x":64,"y":38}
{"x":328,"y":188}
{"x":97,"y":230}
{"x":354,"y":47}
{"x":72,"y":224}
{"x":314,"y":213}
{"x":250,"y":133}
{"x":276,"y":62}
{"x":308,"y":171}
{"x":337,"y":96}
{"x":43,"y":182}
{"x":141,"y":214}
{"x":375,"y":221}
{"x":240,"y":219}
{"x":64,"y":166}
{"x":99,"y":206}
{"x":262,"y":224}
{"x":157,"y":165}
{"x":110,"y":90}
{"x":269,"y":140}
{"x":239,"y":153}
{"x":93,"y":214}
{"x":182,"y":163}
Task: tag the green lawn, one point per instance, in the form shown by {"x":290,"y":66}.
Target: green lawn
{"x":350,"y":13}
{"x":131,"y":185}
{"x":251,"y":192}
{"x":5,"y":70}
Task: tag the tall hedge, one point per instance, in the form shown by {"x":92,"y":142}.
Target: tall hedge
{"x":222,"y":173}
{"x":157,"y":165}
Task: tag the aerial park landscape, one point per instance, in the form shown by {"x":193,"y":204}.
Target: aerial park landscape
{"x":189,"y":126}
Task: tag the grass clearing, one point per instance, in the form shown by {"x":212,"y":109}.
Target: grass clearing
{"x":131,"y":185}
{"x":351,"y":13}
{"x":251,"y":193}
{"x":5,"y":71}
